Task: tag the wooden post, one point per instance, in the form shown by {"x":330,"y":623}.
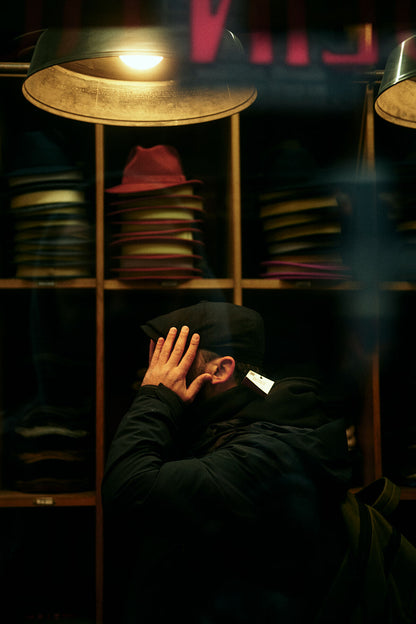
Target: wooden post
{"x":234,"y":208}
{"x":99,"y":291}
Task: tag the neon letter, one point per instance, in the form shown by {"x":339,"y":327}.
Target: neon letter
{"x":297,"y":39}
{"x":206,"y":29}
{"x":261,"y":48}
{"x":404,"y":30}
{"x":367,"y":50}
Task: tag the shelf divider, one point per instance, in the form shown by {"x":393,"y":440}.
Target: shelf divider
{"x":99,"y":421}
{"x":234,"y":208}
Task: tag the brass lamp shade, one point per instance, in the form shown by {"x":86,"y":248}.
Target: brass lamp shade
{"x":78,"y":74}
{"x":396,"y":100}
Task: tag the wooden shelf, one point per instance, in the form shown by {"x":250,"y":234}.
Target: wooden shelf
{"x":22,"y":284}
{"x":276,"y":284}
{"x":194,"y":284}
{"x":398,"y":286}
{"x":198,"y":284}
{"x":10,"y":498}
{"x":408,"y":493}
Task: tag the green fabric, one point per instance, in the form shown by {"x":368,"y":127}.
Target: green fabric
{"x":376,"y":582}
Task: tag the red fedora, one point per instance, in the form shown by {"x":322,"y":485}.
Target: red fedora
{"x":152,"y":168}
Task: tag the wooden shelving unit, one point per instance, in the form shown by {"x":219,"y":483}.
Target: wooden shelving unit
{"x":234,"y":286}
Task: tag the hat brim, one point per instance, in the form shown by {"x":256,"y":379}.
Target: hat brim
{"x":169,"y":257}
{"x":306,"y":276}
{"x":135,"y":239}
{"x":307,"y":231}
{"x":296,"y":206}
{"x":50,"y":196}
{"x":304,"y":217}
{"x":176,"y":276}
{"x":37,"y":272}
{"x":57,"y":242}
{"x":274,"y":191}
{"x":147,"y":224}
{"x":150,"y":201}
{"x":59,"y":252}
{"x":155,"y":233}
{"x":154,"y":210}
{"x":40,"y":234}
{"x":58,"y":220}
{"x":285,"y":265}
{"x":39,"y":261}
{"x":20,"y":189}
{"x":146,"y":187}
{"x":38,"y":170}
{"x":156,"y":245}
{"x":41,"y":210}
{"x":166,"y":270}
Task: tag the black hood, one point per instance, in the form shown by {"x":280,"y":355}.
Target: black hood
{"x":296,"y":410}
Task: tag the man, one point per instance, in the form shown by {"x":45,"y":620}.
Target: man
{"x":222,"y":497}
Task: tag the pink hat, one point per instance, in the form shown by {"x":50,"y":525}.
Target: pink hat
{"x":151,"y":168}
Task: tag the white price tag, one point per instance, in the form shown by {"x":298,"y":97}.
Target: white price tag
{"x":258,"y":382}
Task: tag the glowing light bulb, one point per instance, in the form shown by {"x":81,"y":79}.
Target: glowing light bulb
{"x":141,"y":61}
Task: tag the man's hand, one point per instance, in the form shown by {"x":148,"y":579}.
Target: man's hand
{"x":169,"y":365}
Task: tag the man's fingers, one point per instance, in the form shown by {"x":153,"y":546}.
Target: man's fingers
{"x":169,"y":364}
{"x":167,"y":345}
{"x":190,"y":354}
{"x":155,"y":349}
{"x":169,"y":352}
{"x":179,"y":347}
{"x":151,"y":350}
{"x":172,"y":347}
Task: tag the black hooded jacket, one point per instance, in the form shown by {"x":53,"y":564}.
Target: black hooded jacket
{"x":226,"y":511}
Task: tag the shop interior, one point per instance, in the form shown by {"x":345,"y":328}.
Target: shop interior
{"x":301,"y":205}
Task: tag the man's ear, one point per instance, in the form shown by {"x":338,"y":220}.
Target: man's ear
{"x":221,"y":369}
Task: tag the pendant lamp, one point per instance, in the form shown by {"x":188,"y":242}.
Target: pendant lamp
{"x":396,"y":99}
{"x":83,"y":74}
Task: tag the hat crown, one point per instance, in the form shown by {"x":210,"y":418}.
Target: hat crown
{"x":160,"y":163}
{"x":35,"y":152}
{"x":224,"y":328}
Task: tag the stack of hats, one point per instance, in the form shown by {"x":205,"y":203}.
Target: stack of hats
{"x":155,"y":218}
{"x":302,"y":231}
{"x":49,"y":211}
{"x":48,"y":429}
{"x":300,"y":218}
{"x":401,"y":214}
{"x":50,"y":449}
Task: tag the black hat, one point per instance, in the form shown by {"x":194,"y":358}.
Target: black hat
{"x":36,"y":152}
{"x":224,"y":328}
